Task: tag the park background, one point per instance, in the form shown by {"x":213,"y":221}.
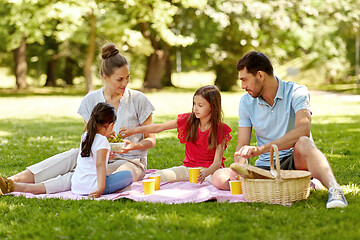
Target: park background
{"x":57,"y":43}
{"x":50,"y":58}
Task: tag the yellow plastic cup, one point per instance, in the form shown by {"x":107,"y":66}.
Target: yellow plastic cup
{"x":149,"y":186}
{"x":156,"y":177}
{"x":193,"y":175}
{"x":235,"y":187}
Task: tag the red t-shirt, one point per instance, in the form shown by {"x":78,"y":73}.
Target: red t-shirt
{"x":198,"y":154}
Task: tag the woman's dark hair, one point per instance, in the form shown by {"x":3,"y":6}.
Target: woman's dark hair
{"x":212,"y":95}
{"x":112,"y":59}
{"x":103,"y":113}
{"x":255,"y":61}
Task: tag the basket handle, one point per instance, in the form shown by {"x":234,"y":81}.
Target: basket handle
{"x":275,"y":149}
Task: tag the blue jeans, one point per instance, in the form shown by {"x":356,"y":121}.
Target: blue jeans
{"x":117,"y":181}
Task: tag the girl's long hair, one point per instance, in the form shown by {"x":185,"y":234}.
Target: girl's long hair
{"x":212,"y":95}
{"x":103,"y":113}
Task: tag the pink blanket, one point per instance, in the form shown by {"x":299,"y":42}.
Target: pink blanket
{"x":170,"y":193}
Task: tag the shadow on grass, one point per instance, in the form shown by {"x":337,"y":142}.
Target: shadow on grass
{"x":348,"y":88}
{"x":338,"y":141}
{"x":25,"y":142}
{"x":44,"y":91}
{"x":100,"y":219}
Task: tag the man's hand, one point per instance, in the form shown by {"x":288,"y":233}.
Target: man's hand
{"x":234,"y":176}
{"x":240,"y":160}
{"x":247,"y":152}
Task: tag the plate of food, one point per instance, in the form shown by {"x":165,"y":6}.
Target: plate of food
{"x":116,"y":143}
{"x":117,"y":146}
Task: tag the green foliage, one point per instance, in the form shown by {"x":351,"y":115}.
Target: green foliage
{"x":209,"y":34}
{"x":333,"y":39}
{"x":31,"y":132}
{"x":226,"y":30}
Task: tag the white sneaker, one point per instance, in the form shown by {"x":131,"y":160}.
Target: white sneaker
{"x":336,"y":198}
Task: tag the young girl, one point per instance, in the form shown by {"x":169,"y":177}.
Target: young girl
{"x":203,"y":133}
{"x":90,"y":173}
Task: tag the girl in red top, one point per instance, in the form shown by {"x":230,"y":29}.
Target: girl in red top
{"x":203,"y":132}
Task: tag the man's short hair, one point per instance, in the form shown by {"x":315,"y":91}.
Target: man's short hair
{"x":254,"y":62}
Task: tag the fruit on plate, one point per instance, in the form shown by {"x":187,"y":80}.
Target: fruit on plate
{"x":115,"y":139}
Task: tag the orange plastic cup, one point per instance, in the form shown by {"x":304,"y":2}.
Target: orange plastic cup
{"x":193,"y":175}
{"x":156,"y":177}
{"x":235,"y":187}
{"x":149,"y":186}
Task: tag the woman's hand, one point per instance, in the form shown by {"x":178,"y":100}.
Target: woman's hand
{"x":96,"y":194}
{"x":128,"y":147}
{"x":202,"y":175}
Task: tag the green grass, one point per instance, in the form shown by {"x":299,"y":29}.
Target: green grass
{"x":36,"y":126}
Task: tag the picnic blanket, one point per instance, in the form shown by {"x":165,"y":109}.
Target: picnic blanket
{"x":169,"y":193}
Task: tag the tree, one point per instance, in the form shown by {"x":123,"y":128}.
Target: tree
{"x":16,"y":25}
{"x":334,"y":38}
{"x":42,"y":23}
{"x":52,"y":59}
{"x":70,"y":18}
{"x":90,"y":53}
{"x":20,"y":64}
{"x":154,"y":20}
{"x":236,"y":27}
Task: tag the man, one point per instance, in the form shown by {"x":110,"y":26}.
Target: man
{"x":280,"y":114}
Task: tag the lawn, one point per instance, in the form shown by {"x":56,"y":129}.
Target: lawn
{"x":36,"y":126}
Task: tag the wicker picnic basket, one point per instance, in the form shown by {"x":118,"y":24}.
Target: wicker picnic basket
{"x":287,"y":186}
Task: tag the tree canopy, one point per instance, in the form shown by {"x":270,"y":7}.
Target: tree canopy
{"x":62,"y":39}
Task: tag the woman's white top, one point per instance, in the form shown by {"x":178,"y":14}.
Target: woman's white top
{"x":84,"y":179}
{"x":134,"y":108}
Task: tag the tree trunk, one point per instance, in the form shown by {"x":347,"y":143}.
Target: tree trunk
{"x":51,"y":72}
{"x":51,"y":63}
{"x":225,"y":77}
{"x":155,"y":70}
{"x":157,"y":62}
{"x":90,"y":54}
{"x":69,"y":63}
{"x":20,"y":65}
{"x":168,"y":71}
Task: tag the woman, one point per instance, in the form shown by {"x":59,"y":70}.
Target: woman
{"x":133,"y":109}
